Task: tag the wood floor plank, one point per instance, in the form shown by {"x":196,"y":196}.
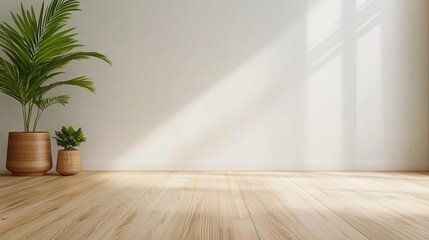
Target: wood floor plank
{"x":306,"y":216}
{"x":373,"y":210}
{"x":216,"y":205}
{"x":316,"y":218}
{"x":17,"y":184}
{"x":167,"y":218}
{"x":109,"y":212}
{"x":412,"y":185}
{"x":272,"y":220}
{"x":6,"y":180}
{"x":21,"y":207}
{"x":129,"y":225}
{"x":234,"y":216}
{"x":186,"y":215}
{"x":201,"y":219}
{"x":105,"y":208}
{"x":217,"y":211}
{"x":45,"y":209}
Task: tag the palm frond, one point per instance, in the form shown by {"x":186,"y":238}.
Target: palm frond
{"x":37,"y":47}
{"x":82,"y":81}
{"x":44,"y":103}
{"x":8,"y":73}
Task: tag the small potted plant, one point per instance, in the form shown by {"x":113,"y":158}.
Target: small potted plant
{"x":68,"y":160}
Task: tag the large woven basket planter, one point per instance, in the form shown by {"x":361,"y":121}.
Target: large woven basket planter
{"x":29,"y":153}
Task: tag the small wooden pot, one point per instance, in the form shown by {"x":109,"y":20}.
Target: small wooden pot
{"x":69,"y":162}
{"x":29,"y":153}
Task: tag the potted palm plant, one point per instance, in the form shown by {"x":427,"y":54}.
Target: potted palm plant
{"x":37,"y":48}
{"x":68,"y":160}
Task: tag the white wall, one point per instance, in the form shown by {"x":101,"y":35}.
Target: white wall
{"x":248,"y":84}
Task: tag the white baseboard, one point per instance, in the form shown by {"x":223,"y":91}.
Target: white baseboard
{"x":268,"y":166}
{"x":194,"y":166}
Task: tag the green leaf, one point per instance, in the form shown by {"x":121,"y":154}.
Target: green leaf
{"x":69,"y":138}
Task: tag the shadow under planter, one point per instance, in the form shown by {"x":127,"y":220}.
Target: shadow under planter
{"x":29,"y":153}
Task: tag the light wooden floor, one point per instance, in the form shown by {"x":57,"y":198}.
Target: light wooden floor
{"x":210,"y":205}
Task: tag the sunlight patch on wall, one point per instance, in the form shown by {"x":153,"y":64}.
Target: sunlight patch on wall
{"x":230,"y":121}
{"x":323,"y":19}
{"x":362,"y":4}
{"x":325,"y":112}
{"x":369,"y":95}
{"x":324,"y":82}
{"x":374,"y":19}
